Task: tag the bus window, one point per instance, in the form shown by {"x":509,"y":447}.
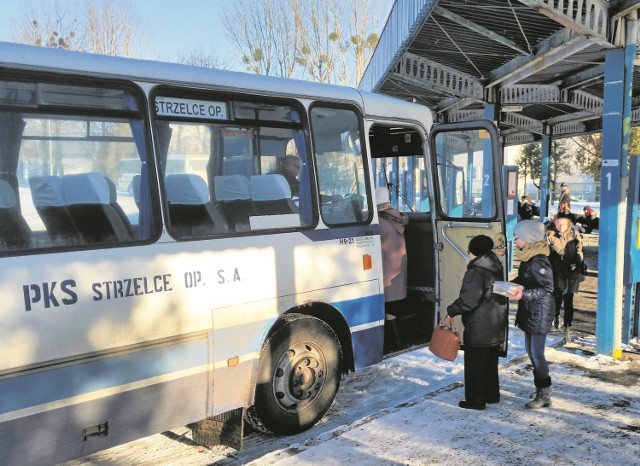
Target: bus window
{"x":61,"y":170}
{"x":340,"y":165}
{"x":406,"y":178}
{"x":226,"y":186}
{"x":399,"y":164}
{"x":465,"y":175}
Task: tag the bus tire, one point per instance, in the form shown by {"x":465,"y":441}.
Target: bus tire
{"x":298,"y":376}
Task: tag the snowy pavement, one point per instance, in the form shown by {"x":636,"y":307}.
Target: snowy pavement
{"x":403,"y":411}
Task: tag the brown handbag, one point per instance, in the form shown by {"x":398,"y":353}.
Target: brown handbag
{"x":445,"y":341}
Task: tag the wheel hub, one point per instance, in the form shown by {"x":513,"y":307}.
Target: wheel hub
{"x":299,"y":376}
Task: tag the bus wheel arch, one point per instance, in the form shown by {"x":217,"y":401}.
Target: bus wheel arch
{"x":337,"y":322}
{"x":298,"y":375}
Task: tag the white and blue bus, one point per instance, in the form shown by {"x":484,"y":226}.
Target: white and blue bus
{"x":215,"y":293}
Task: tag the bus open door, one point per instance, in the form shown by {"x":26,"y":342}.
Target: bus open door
{"x":468,"y":201}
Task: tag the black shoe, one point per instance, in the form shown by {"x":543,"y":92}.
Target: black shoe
{"x":469,"y":405}
{"x":493,"y":400}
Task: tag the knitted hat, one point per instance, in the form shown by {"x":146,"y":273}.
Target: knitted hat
{"x":480,"y":245}
{"x":529,"y":231}
{"x":382,"y":198}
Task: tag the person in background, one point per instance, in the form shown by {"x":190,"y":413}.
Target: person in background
{"x":484,"y":315}
{"x":566,"y":260}
{"x":526,"y":208}
{"x":563,"y":210}
{"x":289,"y":167}
{"x":394,"y":258}
{"x":565,"y":195}
{"x":536,"y":304}
{"x":589,"y":221}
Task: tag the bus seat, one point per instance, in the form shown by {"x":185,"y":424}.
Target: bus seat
{"x":89,"y":199}
{"x":233,"y":196}
{"x":271,"y":195}
{"x":14,"y":230}
{"x":113,"y":201}
{"x":48,"y":199}
{"x":191,"y":214}
{"x":135,"y":189}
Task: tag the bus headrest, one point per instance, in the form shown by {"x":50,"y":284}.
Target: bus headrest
{"x":186,"y":189}
{"x":7,"y":195}
{"x":85,"y":188}
{"x":269,"y":188}
{"x":232,"y":188}
{"x":47,"y":191}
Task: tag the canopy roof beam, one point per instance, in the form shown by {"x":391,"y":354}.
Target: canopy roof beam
{"x":478,"y":29}
{"x":585,"y":17}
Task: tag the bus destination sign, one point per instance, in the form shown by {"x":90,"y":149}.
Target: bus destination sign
{"x":190,"y":108}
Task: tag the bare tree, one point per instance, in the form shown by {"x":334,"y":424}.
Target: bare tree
{"x":319,"y":46}
{"x":264,"y":33}
{"x":589,"y":154}
{"x":58,"y":28}
{"x":199,"y":56}
{"x":112,"y":28}
{"x":109,"y":27}
{"x":530,"y":161}
{"x":362,"y":40}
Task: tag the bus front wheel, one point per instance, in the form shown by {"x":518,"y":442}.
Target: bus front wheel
{"x":298,"y":375}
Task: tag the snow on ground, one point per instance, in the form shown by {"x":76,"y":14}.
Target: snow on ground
{"x":403,"y":411}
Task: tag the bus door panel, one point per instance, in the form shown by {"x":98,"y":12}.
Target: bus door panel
{"x":468,"y":200}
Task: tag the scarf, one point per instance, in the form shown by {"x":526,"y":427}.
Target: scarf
{"x":533,"y":249}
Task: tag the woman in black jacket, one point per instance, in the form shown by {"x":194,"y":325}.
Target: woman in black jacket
{"x":536,"y":307}
{"x":484,"y":316}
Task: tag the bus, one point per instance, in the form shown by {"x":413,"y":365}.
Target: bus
{"x":209,"y":297}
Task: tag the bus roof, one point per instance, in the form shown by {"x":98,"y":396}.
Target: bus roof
{"x":31,"y":58}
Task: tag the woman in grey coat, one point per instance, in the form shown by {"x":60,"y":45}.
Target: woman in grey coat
{"x":536,"y":308}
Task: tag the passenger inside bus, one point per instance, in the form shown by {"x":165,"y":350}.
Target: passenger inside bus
{"x":289,"y":167}
{"x":394,"y":259}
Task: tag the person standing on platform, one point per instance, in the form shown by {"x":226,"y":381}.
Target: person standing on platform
{"x":566,"y":260}
{"x":565,"y":195}
{"x":536,"y":306}
{"x":484,"y":315}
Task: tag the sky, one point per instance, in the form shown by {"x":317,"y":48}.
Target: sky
{"x":404,"y":411}
{"x":175,"y":26}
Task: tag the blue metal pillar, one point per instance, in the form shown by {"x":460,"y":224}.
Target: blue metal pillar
{"x":490,"y":113}
{"x":632,"y":196}
{"x":410,"y":190}
{"x":611,"y":241}
{"x":511,"y":206}
{"x":544,"y":178}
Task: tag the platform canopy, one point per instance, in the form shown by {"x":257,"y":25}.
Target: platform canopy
{"x":541,"y":62}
